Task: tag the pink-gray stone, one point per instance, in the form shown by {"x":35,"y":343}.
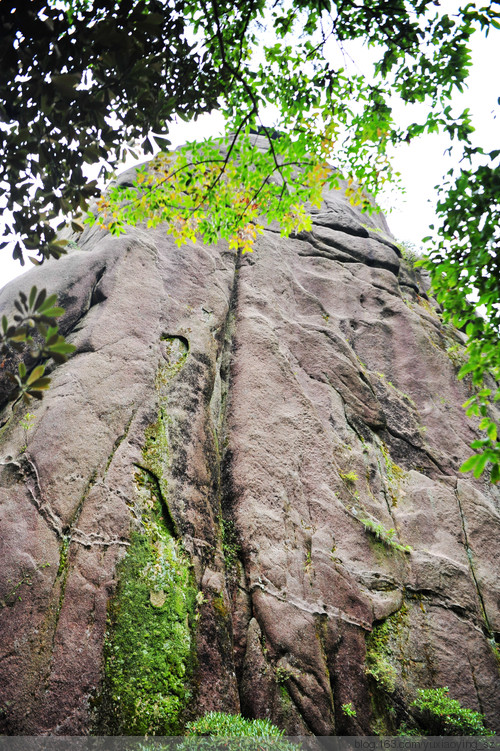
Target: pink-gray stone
{"x":318,"y":397}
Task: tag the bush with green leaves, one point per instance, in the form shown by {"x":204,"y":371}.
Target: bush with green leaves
{"x":463,"y":262}
{"x":232,"y":726}
{"x":442,"y":715}
{"x":34,"y":335}
{"x":242,"y":732}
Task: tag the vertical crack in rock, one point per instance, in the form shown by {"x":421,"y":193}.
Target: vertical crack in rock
{"x":478,"y":693}
{"x":234,"y":594}
{"x":322,"y":633}
{"x":119,"y":441}
{"x":470,"y":560}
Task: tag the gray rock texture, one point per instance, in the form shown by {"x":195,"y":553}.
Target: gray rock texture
{"x":295,"y":418}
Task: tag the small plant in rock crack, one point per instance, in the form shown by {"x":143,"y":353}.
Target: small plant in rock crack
{"x":409,"y":251}
{"x":387,"y":536}
{"x":349,"y":710}
{"x":349,"y":477}
{"x":282,"y":675}
{"x":27,"y":424}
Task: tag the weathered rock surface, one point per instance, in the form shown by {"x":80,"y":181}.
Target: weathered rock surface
{"x":268,"y":415}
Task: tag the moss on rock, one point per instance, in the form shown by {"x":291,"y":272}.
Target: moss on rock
{"x":385,"y":664}
{"x":149,"y":651}
{"x":378,"y":653}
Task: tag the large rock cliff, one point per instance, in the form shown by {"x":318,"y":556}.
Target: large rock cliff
{"x":242,"y":493}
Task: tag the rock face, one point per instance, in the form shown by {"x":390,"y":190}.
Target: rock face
{"x":213,"y":508}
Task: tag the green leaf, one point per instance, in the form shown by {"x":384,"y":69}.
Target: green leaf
{"x":32,"y":296}
{"x":53,"y":312}
{"x":41,"y":299}
{"x":480,"y":464}
{"x":465,"y":369}
{"x":469,"y":464}
{"x":40,"y":383}
{"x":47,"y":303}
{"x":35,"y":374}
{"x":62,"y":348}
{"x":492,"y":431}
{"x":469,"y":402}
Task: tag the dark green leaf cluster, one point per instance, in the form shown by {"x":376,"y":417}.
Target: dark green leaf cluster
{"x":34,"y":328}
{"x":77,"y":86}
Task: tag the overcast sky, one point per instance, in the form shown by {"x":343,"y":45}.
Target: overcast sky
{"x":422,"y":163}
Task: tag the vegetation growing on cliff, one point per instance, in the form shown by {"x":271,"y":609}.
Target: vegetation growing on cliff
{"x":387,"y":536}
{"x":464,"y":264}
{"x":379,"y":652}
{"x":149,"y":650}
{"x":226,"y":725}
{"x":239,"y":730}
{"x":442,"y":715}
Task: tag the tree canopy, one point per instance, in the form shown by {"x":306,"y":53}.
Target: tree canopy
{"x":84,"y":80}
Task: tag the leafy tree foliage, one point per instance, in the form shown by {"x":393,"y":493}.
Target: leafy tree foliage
{"x":464,"y":263}
{"x":33,"y":332}
{"x":76,"y":86}
{"x":80,"y":79}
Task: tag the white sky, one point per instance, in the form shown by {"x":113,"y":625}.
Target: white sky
{"x":422,"y":163}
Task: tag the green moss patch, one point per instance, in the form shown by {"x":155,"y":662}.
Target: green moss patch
{"x":377,"y":662}
{"x":380,"y":649}
{"x":149,"y":649}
